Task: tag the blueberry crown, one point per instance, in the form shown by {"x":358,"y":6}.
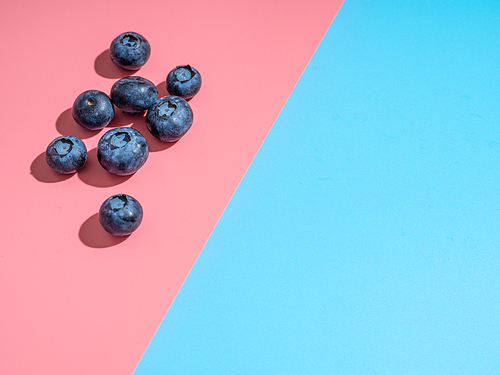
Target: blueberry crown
{"x":166,"y":109}
{"x":119,"y":140}
{"x":184,"y":73}
{"x":118,"y":202}
{"x":131,"y":41}
{"x":63,"y":146}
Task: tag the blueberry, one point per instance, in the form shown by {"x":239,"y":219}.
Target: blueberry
{"x":93,"y":110}
{"x":183,"y":81}
{"x":122,"y":151}
{"x":169,"y":118}
{"x":130,"y":51}
{"x":66,"y":154}
{"x":120,"y":214}
{"x":133,"y":94}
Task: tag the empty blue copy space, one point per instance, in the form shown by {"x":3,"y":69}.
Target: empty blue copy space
{"x":365,"y":236}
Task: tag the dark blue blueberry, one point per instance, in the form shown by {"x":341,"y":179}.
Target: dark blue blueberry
{"x":93,"y":110}
{"x":183,"y":81}
{"x":66,"y":154}
{"x":122,"y":151}
{"x":169,"y":118}
{"x":130,"y":51}
{"x":120,"y":214}
{"x":133,"y":94}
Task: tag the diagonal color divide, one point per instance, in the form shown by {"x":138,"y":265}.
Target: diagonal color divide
{"x":364,"y":237}
{"x":73,"y":299}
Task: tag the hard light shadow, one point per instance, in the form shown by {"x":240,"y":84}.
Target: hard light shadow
{"x":123,"y":119}
{"x":162,"y":89}
{"x":43,"y":173}
{"x":93,"y":234}
{"x":107,"y":69}
{"x":66,"y":125}
{"x":94,"y":174}
{"x":154,"y":143}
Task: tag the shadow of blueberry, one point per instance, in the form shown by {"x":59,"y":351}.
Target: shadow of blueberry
{"x":154,"y":143}
{"x":107,"y":69}
{"x":124,"y":119}
{"x":162,"y":89}
{"x":95,"y":175}
{"x":93,"y":234}
{"x":43,"y":173}
{"x":66,"y":125}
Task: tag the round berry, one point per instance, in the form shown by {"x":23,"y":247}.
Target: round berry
{"x":169,"y":118}
{"x":120,"y":215}
{"x":66,"y":154}
{"x":183,"y":81}
{"x":130,"y":50}
{"x":133,"y":94}
{"x":122,"y":151}
{"x":93,"y":110}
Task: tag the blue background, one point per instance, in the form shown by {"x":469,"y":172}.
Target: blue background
{"x":364,"y":238}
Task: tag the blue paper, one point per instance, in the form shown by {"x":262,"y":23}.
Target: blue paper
{"x":365,"y":236}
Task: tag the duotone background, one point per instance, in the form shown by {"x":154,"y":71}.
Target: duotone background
{"x":342,"y":219}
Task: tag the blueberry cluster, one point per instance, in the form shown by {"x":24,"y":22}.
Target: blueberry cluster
{"x":122,"y":151}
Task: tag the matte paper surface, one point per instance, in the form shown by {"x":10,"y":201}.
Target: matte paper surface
{"x":364,"y":238}
{"x":75,"y":300}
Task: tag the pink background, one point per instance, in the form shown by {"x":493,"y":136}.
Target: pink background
{"x":75,"y":300}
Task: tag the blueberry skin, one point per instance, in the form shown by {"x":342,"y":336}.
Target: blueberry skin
{"x":183,"y":81}
{"x":130,"y":51}
{"x":93,"y":110}
{"x":169,"y":118}
{"x":120,"y":215}
{"x":122,"y":151}
{"x":66,"y":154}
{"x":133,"y":94}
